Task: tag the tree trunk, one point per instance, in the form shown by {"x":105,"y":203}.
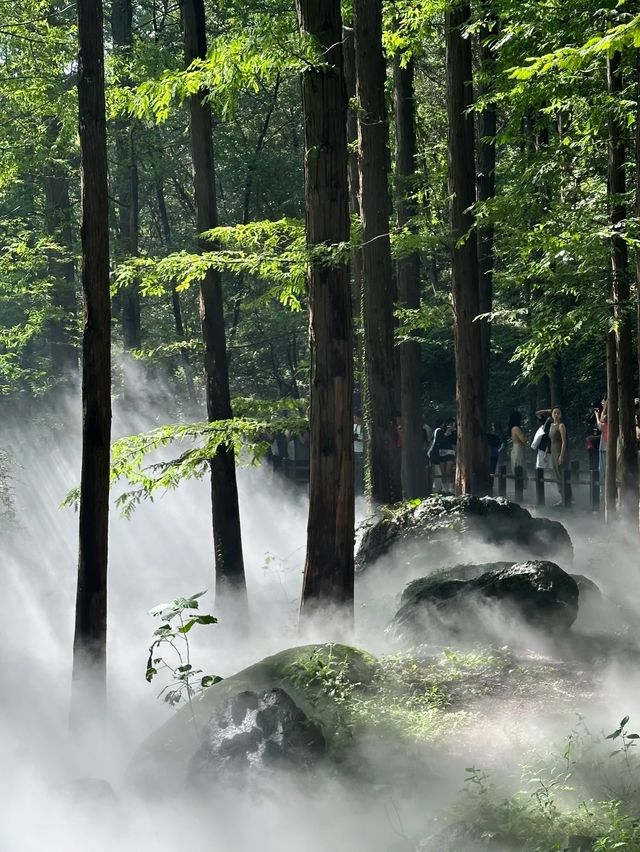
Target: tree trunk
{"x":175,"y":296}
{"x":414,"y":474}
{"x":486,"y":182}
{"x":611,"y":489}
{"x":126,"y":175}
{"x":472,"y":470}
{"x":384,"y":472}
{"x":58,"y":213}
{"x":556,"y":383}
{"x":230,"y":577}
{"x":637,"y":205}
{"x":622,"y":305}
{"x":89,"y":645}
{"x":349,"y":54}
{"x":329,"y":568}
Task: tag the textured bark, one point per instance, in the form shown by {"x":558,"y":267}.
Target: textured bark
{"x":383,"y":452}
{"x":472,"y":470}
{"x":230,"y":577}
{"x":621,"y":293}
{"x":486,"y":183}
{"x":126,"y":176}
{"x":89,"y":645}
{"x":329,"y":564}
{"x":637,"y":206}
{"x":175,"y":296}
{"x":610,"y":489}
{"x":414,"y":474}
{"x":58,"y":213}
{"x":349,"y":54}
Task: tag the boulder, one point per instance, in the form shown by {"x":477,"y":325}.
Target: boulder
{"x":255,"y":733}
{"x":538,"y":593}
{"x":463,"y":521}
{"x":281,"y":712}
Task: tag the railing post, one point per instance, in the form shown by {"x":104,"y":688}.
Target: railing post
{"x":566,"y":486}
{"x":575,"y":470}
{"x":502,"y":481}
{"x":519,"y":483}
{"x":539,"y":486}
{"x":595,"y":491}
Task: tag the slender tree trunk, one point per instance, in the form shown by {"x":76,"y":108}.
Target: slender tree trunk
{"x":611,"y":489}
{"x":621,"y":292}
{"x":329,"y":568}
{"x":230,"y":577}
{"x":472,"y":471}
{"x":637,"y":206}
{"x":414,"y":474}
{"x":89,"y":645}
{"x":486,"y":182}
{"x":349,"y":52}
{"x":175,"y":296}
{"x":61,"y":265}
{"x":556,"y":382}
{"x":384,"y":470}
{"x":126,"y":175}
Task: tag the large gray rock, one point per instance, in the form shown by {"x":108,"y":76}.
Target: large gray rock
{"x":538,"y":593}
{"x":254,"y":734}
{"x":281,"y":712}
{"x":464,"y":520}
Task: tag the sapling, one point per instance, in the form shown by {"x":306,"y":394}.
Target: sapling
{"x":186,"y":682}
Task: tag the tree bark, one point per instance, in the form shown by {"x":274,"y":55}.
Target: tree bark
{"x":349,"y":54}
{"x":58,"y":213}
{"x":89,"y":645}
{"x":383,"y":452}
{"x":611,"y":488}
{"x":486,"y":182}
{"x":126,"y":175}
{"x":175,"y":296}
{"x":231,"y":593}
{"x":472,"y":470}
{"x":414,"y":474}
{"x":621,"y":293}
{"x":329,"y":565}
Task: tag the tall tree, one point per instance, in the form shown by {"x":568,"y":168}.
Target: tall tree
{"x":486,"y":175}
{"x":621,"y":293}
{"x":383,"y":452}
{"x":231,"y":592}
{"x":126,"y":172}
{"x":471,"y":383}
{"x":89,"y":646}
{"x":329,"y":568}
{"x":59,"y":214}
{"x":414,"y":475}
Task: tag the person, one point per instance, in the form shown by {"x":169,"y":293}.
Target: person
{"x":541,"y":443}
{"x":448,"y":441}
{"x":559,"y":450}
{"x":603,"y":427}
{"x":495,"y":447}
{"x":358,"y":453}
{"x":518,"y":441}
{"x":592,"y":436}
{"x":443,"y":453}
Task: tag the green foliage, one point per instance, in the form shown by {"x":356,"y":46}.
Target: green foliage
{"x":179,"y":616}
{"x":248,"y":435}
{"x":581,"y":790}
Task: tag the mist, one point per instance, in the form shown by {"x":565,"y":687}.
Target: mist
{"x":165,"y":550}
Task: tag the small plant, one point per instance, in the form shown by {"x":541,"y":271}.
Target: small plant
{"x":186,"y":682}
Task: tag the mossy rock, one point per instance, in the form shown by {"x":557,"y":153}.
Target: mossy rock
{"x":464,"y":520}
{"x":298,"y":680}
{"x":470,"y":601}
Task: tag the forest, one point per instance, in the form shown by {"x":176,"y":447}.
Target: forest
{"x":315,"y":307}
